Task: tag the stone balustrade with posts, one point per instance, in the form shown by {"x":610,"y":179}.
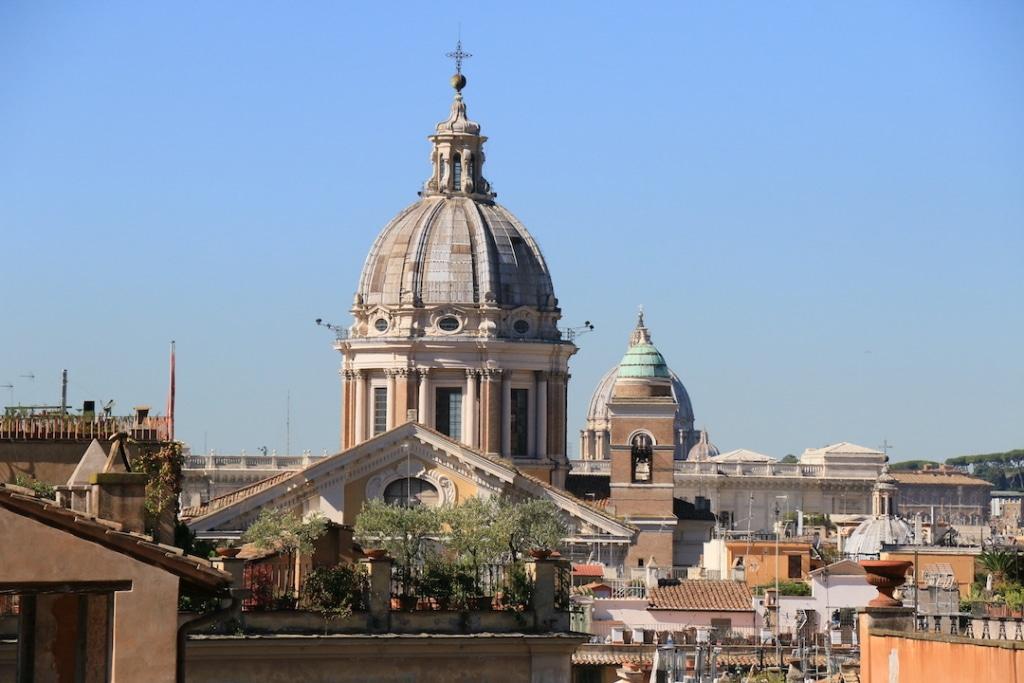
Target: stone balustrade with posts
{"x":379,"y":610}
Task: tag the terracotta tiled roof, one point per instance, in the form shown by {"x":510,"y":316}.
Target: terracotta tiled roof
{"x":948,"y":477}
{"x":588,"y":570}
{"x":106,"y":533}
{"x":219,"y":502}
{"x":603,"y":655}
{"x":702,"y":595}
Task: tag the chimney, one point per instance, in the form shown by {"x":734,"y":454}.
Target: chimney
{"x":120,"y":497}
{"x":117,"y":493}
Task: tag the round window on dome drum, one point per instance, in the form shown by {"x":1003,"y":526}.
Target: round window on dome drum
{"x":521,"y":326}
{"x":448,"y":324}
{"x":381,"y":324}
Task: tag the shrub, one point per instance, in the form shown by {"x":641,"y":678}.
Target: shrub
{"x":40,"y":488}
{"x":335,"y":591}
{"x":794,"y":588}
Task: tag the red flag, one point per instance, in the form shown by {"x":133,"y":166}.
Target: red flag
{"x":170,"y":400}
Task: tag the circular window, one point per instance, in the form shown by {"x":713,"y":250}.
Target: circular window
{"x":448,"y":323}
{"x":381,"y":324}
{"x":521,"y":326}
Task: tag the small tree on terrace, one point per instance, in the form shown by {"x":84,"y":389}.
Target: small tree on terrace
{"x":474,"y":532}
{"x":999,"y":563}
{"x":401,"y":530}
{"x":529,"y":525}
{"x":285,"y":533}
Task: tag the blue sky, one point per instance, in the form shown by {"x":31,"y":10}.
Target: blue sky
{"x":820,"y":205}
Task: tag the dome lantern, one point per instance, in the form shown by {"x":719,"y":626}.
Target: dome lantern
{"x":458,"y":154}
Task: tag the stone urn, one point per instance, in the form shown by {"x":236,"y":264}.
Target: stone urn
{"x":886,"y":576}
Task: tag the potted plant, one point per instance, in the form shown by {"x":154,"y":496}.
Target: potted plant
{"x":437,"y":583}
{"x":528,"y":526}
{"x":288,"y":534}
{"x":473,"y":536}
{"x":229,"y":549}
{"x":404,"y":533}
{"x":517,"y":589}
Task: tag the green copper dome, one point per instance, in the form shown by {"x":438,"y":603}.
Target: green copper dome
{"x":643,"y":361}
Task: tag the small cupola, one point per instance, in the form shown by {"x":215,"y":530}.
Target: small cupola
{"x":458,"y":154}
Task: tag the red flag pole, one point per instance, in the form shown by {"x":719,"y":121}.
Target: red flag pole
{"x":170,"y":399}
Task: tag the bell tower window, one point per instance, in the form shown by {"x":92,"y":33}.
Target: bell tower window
{"x":457,"y":172}
{"x":641,"y":451}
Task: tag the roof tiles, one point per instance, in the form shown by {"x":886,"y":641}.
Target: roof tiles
{"x":702,"y":595}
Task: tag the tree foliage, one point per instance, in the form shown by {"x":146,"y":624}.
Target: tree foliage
{"x":285,"y":532}
{"x":912,"y":465}
{"x":162,"y":466}
{"x":529,"y":525}
{"x":1005,"y":470}
{"x":797,"y":588}
{"x":401,"y":530}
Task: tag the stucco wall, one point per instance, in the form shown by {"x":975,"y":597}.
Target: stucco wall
{"x":144,"y":617}
{"x":512,"y":658}
{"x":962,"y":565}
{"x":928,"y":658}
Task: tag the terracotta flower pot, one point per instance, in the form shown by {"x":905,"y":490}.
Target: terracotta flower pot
{"x":376,"y":553}
{"x":886,"y":576}
{"x":228,"y":552}
{"x":540,"y":554}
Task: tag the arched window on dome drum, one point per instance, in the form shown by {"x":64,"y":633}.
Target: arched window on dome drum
{"x":641,"y":452}
{"x":456,"y":172}
{"x":411,"y":492}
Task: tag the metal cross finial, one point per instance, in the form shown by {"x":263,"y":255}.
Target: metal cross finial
{"x":458,"y":55}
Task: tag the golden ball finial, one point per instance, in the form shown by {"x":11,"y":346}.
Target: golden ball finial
{"x":458,"y":82}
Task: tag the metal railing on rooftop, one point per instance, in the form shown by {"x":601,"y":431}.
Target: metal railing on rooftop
{"x":75,"y":427}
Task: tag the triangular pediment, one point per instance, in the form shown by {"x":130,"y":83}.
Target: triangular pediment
{"x":342,"y":481}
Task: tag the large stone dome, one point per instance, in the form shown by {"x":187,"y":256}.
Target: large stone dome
{"x":597,"y":412}
{"x":455,"y":250}
{"x":456,"y":264}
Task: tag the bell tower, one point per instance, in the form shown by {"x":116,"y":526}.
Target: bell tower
{"x":642,"y":416}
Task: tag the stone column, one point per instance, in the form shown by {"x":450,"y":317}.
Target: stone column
{"x":599,"y":451}
{"x":390,"y":374}
{"x":346,"y":409}
{"x":556,"y":422}
{"x":541,"y":383}
{"x":423,"y":403}
{"x":404,"y":391}
{"x":379,"y":602}
{"x":506,"y":414}
{"x":360,"y":401}
{"x":550,"y":609}
{"x":469,"y":410}
{"x":490,"y":399}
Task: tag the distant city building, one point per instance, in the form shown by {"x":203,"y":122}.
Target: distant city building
{"x":944,"y":495}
